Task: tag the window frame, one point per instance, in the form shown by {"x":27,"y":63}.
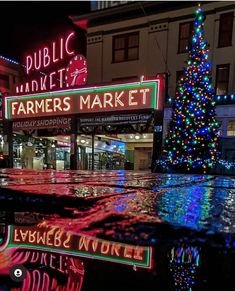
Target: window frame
{"x":224,"y":29}
{"x":191,"y":23}
{"x":216,"y":78}
{"x":126,"y":46}
{"x":232,"y":131}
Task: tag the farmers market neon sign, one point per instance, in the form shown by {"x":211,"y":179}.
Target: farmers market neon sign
{"x":132,"y":96}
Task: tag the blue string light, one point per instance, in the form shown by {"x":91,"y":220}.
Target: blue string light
{"x":9,"y":60}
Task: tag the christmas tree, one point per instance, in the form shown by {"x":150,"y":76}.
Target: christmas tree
{"x":192,"y":141}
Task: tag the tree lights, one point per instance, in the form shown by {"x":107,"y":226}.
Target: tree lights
{"x":191,"y":144}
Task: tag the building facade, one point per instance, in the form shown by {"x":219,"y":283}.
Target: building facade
{"x":147,"y":38}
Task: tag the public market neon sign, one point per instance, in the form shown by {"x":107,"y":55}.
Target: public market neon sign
{"x":132,"y":96}
{"x":44,"y":58}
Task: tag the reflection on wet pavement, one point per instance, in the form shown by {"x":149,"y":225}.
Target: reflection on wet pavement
{"x":179,"y":215}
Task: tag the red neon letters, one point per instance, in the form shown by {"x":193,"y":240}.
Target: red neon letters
{"x":47,"y":55}
{"x":44,"y":58}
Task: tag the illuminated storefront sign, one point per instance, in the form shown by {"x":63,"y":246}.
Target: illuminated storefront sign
{"x":56,"y":122}
{"x":55,"y":66}
{"x":65,"y":242}
{"x":115,"y":119}
{"x":133,"y":96}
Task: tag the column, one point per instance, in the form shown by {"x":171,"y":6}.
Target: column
{"x":8,"y":143}
{"x":74,"y":146}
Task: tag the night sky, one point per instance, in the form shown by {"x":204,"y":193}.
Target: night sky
{"x":24,"y":24}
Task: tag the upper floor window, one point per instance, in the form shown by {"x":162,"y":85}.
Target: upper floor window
{"x":185,"y":36}
{"x":231,"y":128}
{"x":225,"y":29}
{"x":179,"y":75}
{"x":126,"y":47}
{"x":4,"y":81}
{"x":222,"y":79}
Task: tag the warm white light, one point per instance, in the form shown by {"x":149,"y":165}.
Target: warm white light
{"x":131,"y":136}
{"x":137,"y":136}
{"x":83,"y":140}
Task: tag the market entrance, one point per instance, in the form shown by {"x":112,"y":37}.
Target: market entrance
{"x":91,"y":132}
{"x":116,"y":152}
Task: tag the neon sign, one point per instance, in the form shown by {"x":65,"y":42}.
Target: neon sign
{"x":75,"y":244}
{"x":56,"y":55}
{"x":43,"y":57}
{"x":133,"y":96}
{"x":44,"y":269}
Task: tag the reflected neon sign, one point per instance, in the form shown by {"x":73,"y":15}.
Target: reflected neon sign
{"x":43,"y":269}
{"x":56,"y":240}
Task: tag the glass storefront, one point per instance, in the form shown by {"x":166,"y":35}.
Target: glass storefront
{"x":111,"y":152}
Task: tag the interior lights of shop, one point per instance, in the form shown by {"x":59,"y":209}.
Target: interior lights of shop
{"x":137,"y":136}
{"x":144,"y":135}
{"x":131,"y":136}
{"x":83,"y":141}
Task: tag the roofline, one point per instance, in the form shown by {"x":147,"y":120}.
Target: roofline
{"x":108,"y":15}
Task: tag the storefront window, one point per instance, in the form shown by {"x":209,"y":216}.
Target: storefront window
{"x":231,"y":128}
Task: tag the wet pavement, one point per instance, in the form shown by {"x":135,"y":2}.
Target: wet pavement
{"x":117,"y":230}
